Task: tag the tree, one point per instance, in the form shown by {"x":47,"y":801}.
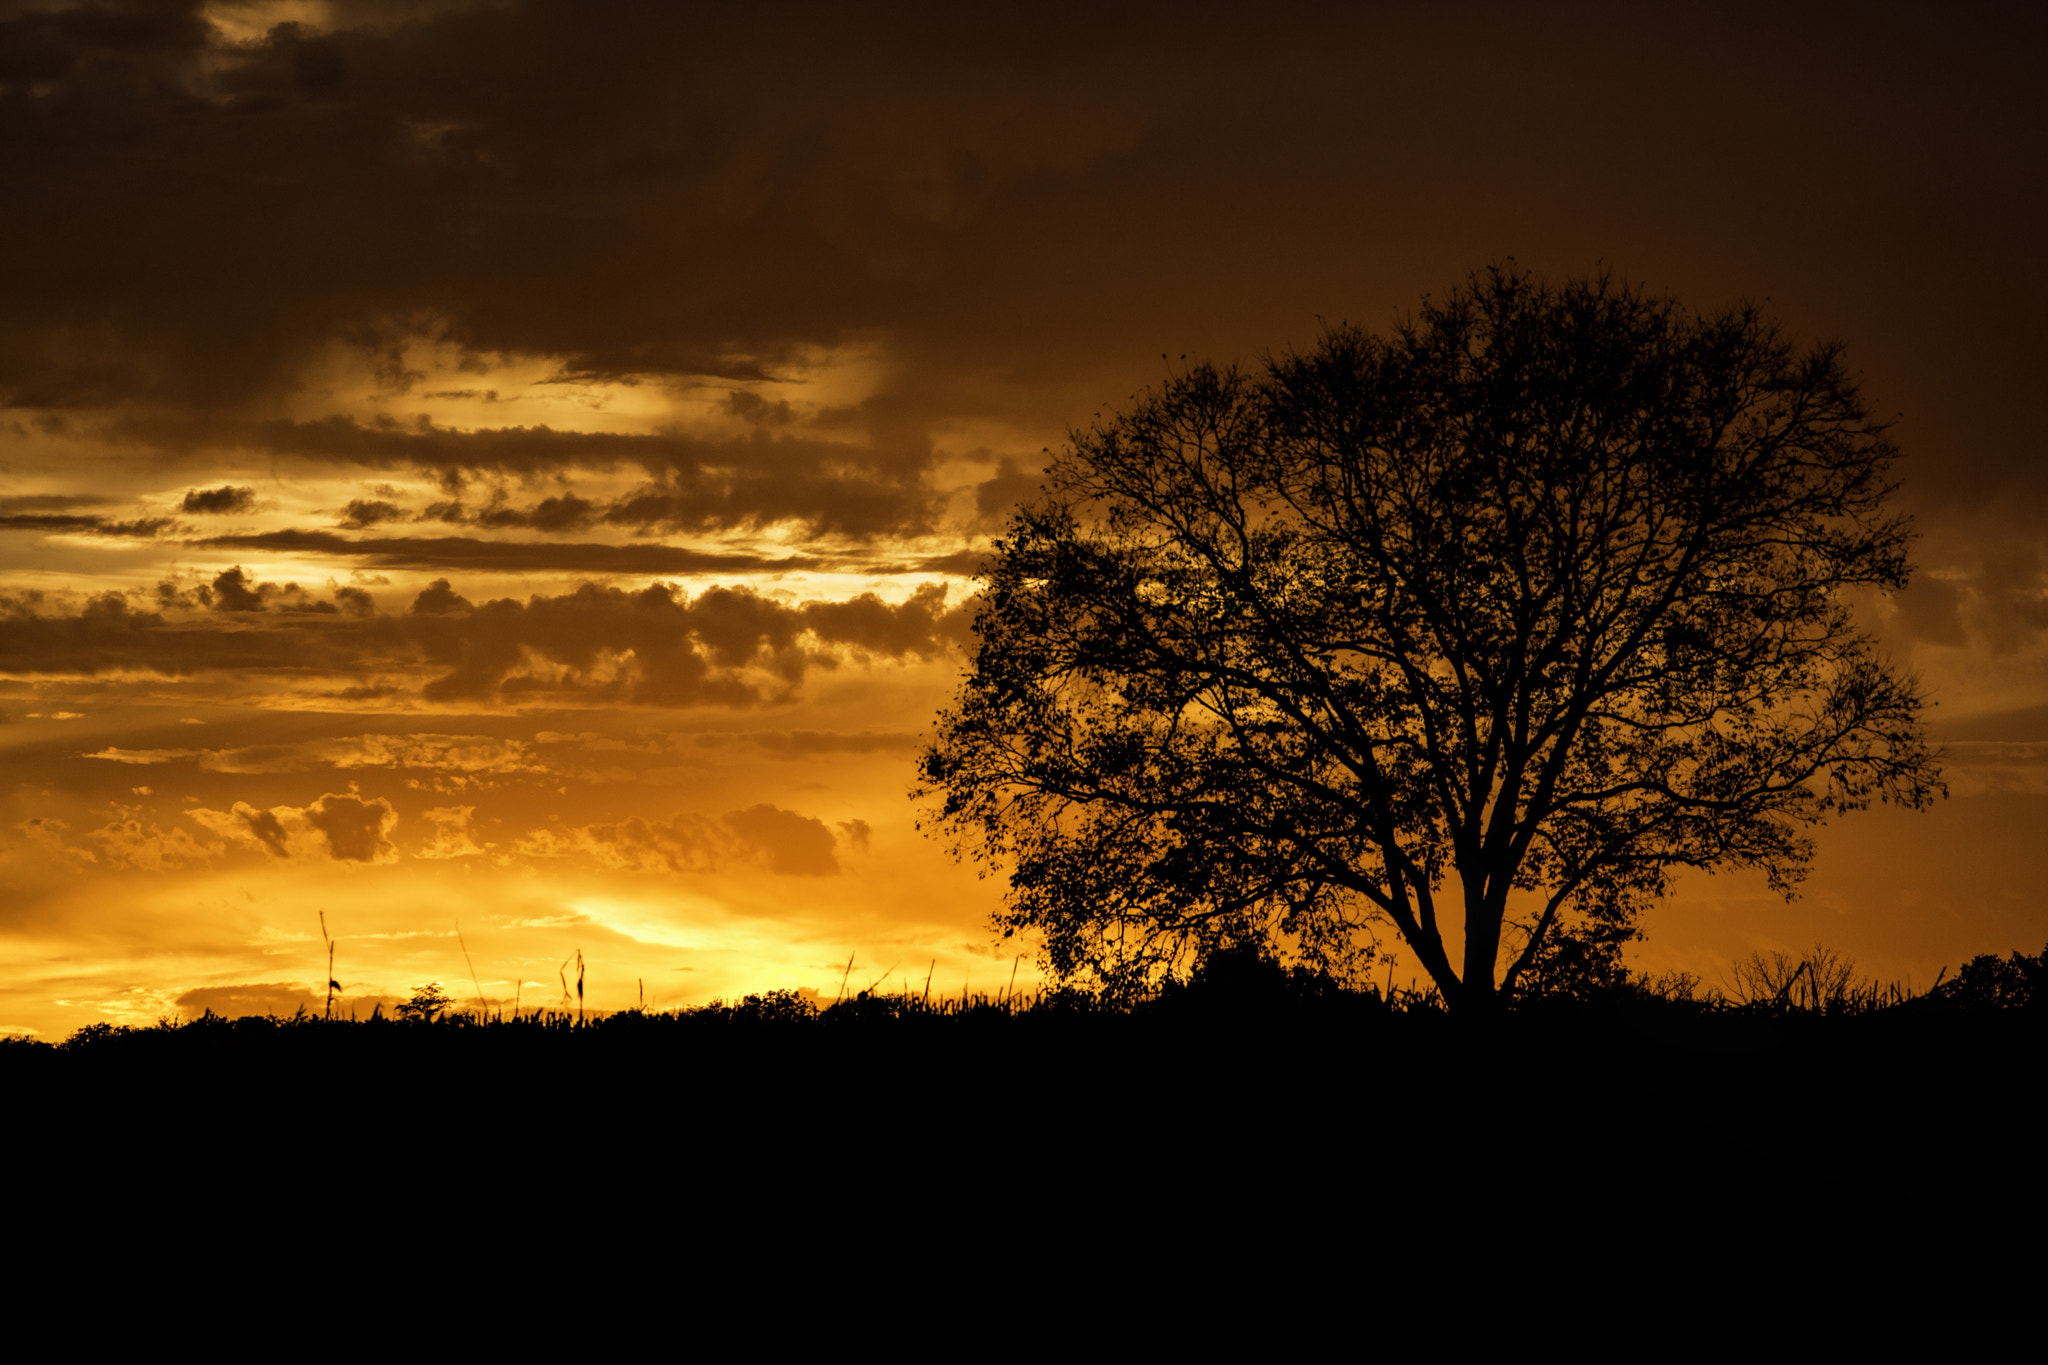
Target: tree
{"x":427,"y":1005}
{"x":1508,"y":616}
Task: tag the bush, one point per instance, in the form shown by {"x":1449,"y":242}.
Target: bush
{"x":428,"y":1004}
{"x":1988,"y":982}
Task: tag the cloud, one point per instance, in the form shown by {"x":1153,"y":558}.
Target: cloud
{"x":694,"y":482}
{"x":991,"y":205}
{"x":265,"y":826}
{"x":356,"y":829}
{"x":125,"y":843}
{"x":438,"y":599}
{"x":656,"y":646}
{"x":48,"y":834}
{"x":995,"y":498}
{"x":128,"y":842}
{"x":79,"y":524}
{"x":468,"y":754}
{"x":279,"y":998}
{"x":788,"y":844}
{"x":465,"y":755}
{"x":365,"y":512}
{"x":24,"y":504}
{"x":344,"y":826}
{"x":794,"y":845}
{"x":509,"y":556}
{"x":678,"y":139}
{"x":226,"y":500}
{"x":1988,"y":591}
{"x":1995,"y":767}
{"x":452,"y":834}
{"x":234,"y":591}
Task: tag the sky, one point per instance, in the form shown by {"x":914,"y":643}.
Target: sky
{"x":508,"y":477}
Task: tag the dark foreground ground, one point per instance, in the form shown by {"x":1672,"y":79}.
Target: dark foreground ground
{"x":1282,"y":1111}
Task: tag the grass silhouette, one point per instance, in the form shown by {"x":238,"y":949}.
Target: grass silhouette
{"x":1246,"y":1086}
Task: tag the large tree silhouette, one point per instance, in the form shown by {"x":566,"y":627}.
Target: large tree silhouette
{"x":1509,"y":614}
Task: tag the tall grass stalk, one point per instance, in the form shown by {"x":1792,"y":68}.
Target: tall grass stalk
{"x":332,"y":984}
{"x":482,"y":1008}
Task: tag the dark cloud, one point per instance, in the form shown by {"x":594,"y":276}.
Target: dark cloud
{"x":356,"y":829}
{"x":963,"y":563}
{"x":234,"y":591}
{"x":794,"y":845}
{"x":265,"y":826}
{"x":83,"y":524}
{"x":2010,"y":589}
{"x":122,"y":44}
{"x":1017,"y":219}
{"x":704,"y":193}
{"x":694,"y":483}
{"x":439,"y":599}
{"x":787,"y":843}
{"x":874,"y":626}
{"x":656,"y":646}
{"x":43,"y":503}
{"x":726,"y":646}
{"x":754,"y":409}
{"x":346,"y":826}
{"x":1013,"y":484}
{"x":462,"y":754}
{"x":459,"y":552}
{"x":1989,"y":593}
{"x":366,"y":512}
{"x":565,"y":513}
{"x":221,"y":501}
{"x":281,"y":999}
{"x":396,"y":168}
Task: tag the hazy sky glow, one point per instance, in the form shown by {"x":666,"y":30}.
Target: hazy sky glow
{"x":523,"y":464}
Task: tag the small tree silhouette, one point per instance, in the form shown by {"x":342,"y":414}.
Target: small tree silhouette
{"x":1989,"y":982}
{"x":428,"y":1004}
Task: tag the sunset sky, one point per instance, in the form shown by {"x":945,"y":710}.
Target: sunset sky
{"x":522,"y":465}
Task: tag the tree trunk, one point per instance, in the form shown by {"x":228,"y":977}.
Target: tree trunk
{"x":1482,"y":950}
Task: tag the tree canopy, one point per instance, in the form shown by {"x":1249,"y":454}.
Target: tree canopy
{"x":1491,"y":623}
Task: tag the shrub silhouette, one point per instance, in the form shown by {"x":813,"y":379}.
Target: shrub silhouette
{"x":428,"y":1004}
{"x":1988,"y":982}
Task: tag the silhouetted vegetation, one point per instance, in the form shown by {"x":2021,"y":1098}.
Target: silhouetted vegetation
{"x":1520,"y":609}
{"x":1988,"y":983}
{"x":1247,"y":1066}
{"x":428,"y":1004}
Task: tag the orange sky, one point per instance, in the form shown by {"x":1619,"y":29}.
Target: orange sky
{"x":522,"y":465}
